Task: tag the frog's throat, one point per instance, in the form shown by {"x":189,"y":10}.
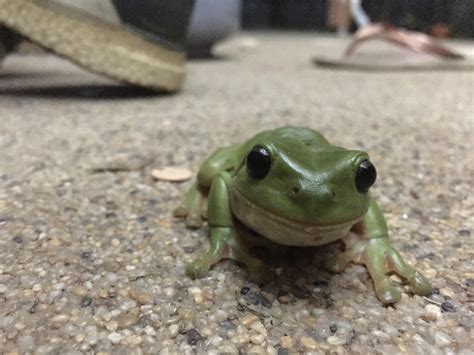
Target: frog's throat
{"x":283,"y":231}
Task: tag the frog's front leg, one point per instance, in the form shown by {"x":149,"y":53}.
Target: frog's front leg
{"x":225,"y":240}
{"x":377,"y":252}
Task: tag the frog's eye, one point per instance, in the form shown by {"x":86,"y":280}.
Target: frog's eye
{"x":365,"y":176}
{"x":258,"y":162}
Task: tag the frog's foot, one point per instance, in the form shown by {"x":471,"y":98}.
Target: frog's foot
{"x":201,"y":266}
{"x":382,"y":260}
{"x":225,"y":243}
{"x":219,"y":250}
{"x":193,"y":208}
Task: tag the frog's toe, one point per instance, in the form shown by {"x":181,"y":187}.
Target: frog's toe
{"x":337,"y":263}
{"x":193,"y":218}
{"x":193,"y":221}
{"x":418,"y":283}
{"x":181,"y":212}
{"x":386,"y":291}
{"x":197,"y":269}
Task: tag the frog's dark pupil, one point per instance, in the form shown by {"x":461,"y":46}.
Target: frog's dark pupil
{"x":258,"y":162}
{"x":365,"y":176}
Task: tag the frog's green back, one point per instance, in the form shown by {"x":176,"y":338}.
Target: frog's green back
{"x":286,"y":137}
{"x":290,"y":133}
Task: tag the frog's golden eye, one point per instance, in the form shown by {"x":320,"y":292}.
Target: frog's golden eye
{"x":365,"y":176}
{"x":258,"y":162}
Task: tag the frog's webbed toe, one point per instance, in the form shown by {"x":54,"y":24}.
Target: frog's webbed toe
{"x":381,"y":260}
{"x":418,"y":283}
{"x":386,"y":291}
{"x":197,"y":269}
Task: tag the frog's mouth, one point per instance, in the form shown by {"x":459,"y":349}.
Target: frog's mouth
{"x":282,"y":230}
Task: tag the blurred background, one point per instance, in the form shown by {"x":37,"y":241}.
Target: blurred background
{"x":456,"y":16}
{"x":205,"y":22}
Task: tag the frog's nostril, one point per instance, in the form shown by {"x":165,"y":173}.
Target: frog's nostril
{"x":333,"y":194}
{"x":296,"y":189}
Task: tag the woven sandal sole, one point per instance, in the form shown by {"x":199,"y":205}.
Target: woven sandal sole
{"x":95,"y":45}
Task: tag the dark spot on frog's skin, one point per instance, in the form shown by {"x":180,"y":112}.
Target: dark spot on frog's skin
{"x":448,"y":307}
{"x":296,"y":190}
{"x":333,"y":328}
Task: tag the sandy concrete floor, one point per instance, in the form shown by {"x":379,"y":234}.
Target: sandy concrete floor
{"x":94,"y":261}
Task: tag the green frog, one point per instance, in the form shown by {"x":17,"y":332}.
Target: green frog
{"x":292,"y":187}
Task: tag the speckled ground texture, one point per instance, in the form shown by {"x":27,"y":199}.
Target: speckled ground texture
{"x":92,"y":260}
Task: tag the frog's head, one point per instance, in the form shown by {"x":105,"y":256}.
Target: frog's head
{"x":298,"y":192}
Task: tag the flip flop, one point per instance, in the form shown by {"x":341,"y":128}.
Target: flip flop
{"x":412,"y":51}
{"x":96,"y":45}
